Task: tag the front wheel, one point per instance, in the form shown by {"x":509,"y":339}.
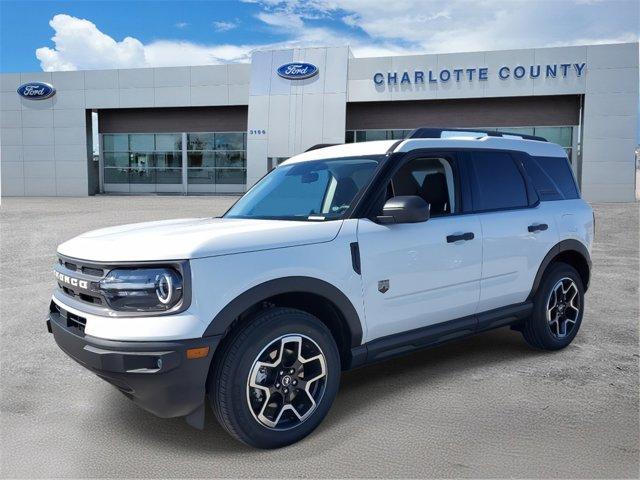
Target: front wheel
{"x":275,"y":378}
{"x":558,"y":307}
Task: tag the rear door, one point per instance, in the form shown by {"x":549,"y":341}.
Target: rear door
{"x":517,"y":230}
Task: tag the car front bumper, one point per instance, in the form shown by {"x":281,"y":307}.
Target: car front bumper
{"x":155,"y":375}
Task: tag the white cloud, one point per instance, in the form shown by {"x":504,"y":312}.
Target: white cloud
{"x":461,"y":25}
{"x":165,"y":53}
{"x":281,"y":20}
{"x":182,"y":25}
{"x":370,"y":27}
{"x":80,"y":45}
{"x":223,"y":26}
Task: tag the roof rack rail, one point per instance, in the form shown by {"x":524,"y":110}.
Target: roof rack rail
{"x":321,"y":145}
{"x":437,"y":133}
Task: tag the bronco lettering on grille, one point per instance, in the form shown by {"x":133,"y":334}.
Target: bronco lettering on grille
{"x":74,"y":282}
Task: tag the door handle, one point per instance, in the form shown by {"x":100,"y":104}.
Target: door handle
{"x":463,"y":236}
{"x":540,"y":227}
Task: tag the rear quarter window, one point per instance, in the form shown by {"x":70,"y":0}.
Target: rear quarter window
{"x":552,"y":178}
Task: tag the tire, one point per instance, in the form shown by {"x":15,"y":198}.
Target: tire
{"x":253,"y":366}
{"x":554,"y":327}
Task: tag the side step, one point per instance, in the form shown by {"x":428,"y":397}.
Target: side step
{"x":432,"y":335}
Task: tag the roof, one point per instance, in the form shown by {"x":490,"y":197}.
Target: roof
{"x":380,"y":147}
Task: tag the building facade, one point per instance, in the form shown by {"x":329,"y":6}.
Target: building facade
{"x":218,"y":129}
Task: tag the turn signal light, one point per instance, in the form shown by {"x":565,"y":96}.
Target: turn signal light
{"x":193,"y":353}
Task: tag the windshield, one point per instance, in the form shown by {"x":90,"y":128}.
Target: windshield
{"x":313,"y":190}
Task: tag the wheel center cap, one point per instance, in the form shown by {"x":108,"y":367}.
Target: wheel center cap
{"x":286,"y":380}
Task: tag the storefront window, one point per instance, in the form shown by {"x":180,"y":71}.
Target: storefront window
{"x":370,"y":135}
{"x":115,"y":143}
{"x":217,"y":158}
{"x":142,"y":158}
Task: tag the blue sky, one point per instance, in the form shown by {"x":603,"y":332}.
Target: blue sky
{"x":38,"y":35}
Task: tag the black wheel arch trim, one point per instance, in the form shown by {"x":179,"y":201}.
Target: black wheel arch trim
{"x":563,"y":246}
{"x":271,"y":288}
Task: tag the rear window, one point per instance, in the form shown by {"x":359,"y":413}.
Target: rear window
{"x":552,"y":178}
{"x":498,"y":182}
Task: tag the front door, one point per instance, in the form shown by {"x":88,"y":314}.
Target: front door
{"x":419,"y":274}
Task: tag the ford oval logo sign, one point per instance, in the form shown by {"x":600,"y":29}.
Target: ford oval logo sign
{"x":36,"y":90}
{"x":297,"y":71}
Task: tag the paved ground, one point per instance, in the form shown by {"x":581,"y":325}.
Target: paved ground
{"x":483,"y":407}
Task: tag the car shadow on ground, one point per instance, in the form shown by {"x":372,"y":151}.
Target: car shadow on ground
{"x":433,"y":365}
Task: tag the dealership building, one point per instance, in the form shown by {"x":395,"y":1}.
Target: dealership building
{"x":219,"y":128}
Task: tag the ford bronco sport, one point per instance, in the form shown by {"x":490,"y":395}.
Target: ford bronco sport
{"x":339,"y":257}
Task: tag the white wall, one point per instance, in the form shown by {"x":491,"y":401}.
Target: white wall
{"x":43,"y":143}
{"x":610,"y":123}
{"x":288,"y":116}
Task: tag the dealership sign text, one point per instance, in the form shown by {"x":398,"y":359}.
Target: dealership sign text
{"x":36,"y":90}
{"x":297,"y":71}
{"x":471,"y":74}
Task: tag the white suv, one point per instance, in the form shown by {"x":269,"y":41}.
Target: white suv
{"x":341,"y":256}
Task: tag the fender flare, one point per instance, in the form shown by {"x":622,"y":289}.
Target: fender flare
{"x":563,"y":246}
{"x":263,"y":291}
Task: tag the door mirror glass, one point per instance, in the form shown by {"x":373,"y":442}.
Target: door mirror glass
{"x":404,"y":209}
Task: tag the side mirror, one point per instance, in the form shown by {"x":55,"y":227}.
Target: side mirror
{"x":404,"y":209}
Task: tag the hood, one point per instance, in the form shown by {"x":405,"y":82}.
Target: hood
{"x":194,"y":238}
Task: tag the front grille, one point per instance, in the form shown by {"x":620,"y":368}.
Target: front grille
{"x":78,"y":270}
{"x":71,"y":320}
{"x":96,"y":272}
{"x":75,"y":266}
{"x":85,"y":297}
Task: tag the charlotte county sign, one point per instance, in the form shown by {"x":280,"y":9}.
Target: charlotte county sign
{"x":297,"y":70}
{"x":479,"y":73}
{"x":36,"y":90}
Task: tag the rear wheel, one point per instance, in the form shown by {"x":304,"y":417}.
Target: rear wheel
{"x":275,"y":378}
{"x":557,"y":309}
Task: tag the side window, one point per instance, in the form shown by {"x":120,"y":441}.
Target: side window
{"x":498,"y":182}
{"x":545,"y":187}
{"x":552,"y":178}
{"x":429,"y":178}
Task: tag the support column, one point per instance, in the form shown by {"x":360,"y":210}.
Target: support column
{"x":185,"y":164}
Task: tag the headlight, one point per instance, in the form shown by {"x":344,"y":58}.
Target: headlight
{"x":142,"y":289}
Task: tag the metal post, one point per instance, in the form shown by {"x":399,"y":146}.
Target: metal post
{"x":100,"y":164}
{"x":185,"y":188}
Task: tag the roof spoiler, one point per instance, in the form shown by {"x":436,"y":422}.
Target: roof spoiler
{"x":321,"y":145}
{"x":437,"y":133}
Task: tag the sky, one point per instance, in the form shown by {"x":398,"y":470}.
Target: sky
{"x":53,"y":36}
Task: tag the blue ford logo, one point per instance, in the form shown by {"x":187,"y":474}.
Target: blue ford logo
{"x":297,"y":71}
{"x":36,"y":90}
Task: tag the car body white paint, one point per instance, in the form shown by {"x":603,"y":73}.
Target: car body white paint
{"x":532,"y":147}
{"x":378,"y":147}
{"x":430,"y":280}
{"x":193,"y":238}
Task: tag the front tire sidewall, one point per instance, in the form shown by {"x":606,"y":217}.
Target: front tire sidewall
{"x":275,"y":325}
